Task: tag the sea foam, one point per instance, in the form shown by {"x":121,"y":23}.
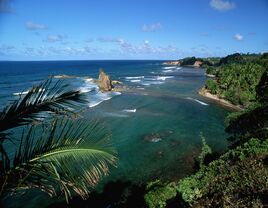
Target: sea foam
{"x":138,"y":77}
{"x":130,"y":110}
{"x":164,"y":77}
{"x":169,"y":67}
{"x":198,"y":101}
{"x":25,"y":92}
{"x":100,"y":97}
{"x":135,"y":80}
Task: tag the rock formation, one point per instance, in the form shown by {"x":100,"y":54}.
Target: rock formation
{"x":104,"y":82}
{"x":178,"y":63}
{"x":198,"y":63}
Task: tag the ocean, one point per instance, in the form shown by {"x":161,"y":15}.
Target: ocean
{"x":155,"y":124}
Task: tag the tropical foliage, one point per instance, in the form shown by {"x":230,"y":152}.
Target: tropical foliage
{"x":237,"y":77}
{"x":159,"y":193}
{"x":45,"y":144}
{"x":237,"y":179}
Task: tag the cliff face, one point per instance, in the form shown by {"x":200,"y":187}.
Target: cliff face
{"x":104,"y":82}
{"x":172,"y":63}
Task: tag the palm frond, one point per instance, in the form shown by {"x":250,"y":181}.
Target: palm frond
{"x":53,"y":97}
{"x":71,"y":157}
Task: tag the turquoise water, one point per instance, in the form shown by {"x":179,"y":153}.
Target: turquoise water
{"x":156,"y":123}
{"x":164,"y":110}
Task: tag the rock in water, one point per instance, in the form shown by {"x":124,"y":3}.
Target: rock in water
{"x":104,"y":82}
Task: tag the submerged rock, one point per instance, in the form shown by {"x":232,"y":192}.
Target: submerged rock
{"x":116,"y":82}
{"x":157,"y":137}
{"x":154,"y":137}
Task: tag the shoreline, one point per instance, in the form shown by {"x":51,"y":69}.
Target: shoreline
{"x":205,"y":93}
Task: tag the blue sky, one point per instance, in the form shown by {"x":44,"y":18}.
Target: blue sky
{"x":130,"y":29}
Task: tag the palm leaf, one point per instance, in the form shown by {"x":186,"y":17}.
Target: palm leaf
{"x":53,"y":97}
{"x":70,"y":158}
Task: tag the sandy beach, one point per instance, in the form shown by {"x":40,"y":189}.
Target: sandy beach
{"x":205,"y":93}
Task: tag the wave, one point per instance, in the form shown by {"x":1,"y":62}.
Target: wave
{"x":138,"y":77}
{"x":130,"y":110}
{"x":93,"y":104}
{"x":64,"y":76}
{"x":135,"y":80}
{"x":88,"y":86}
{"x":100,"y":97}
{"x":88,"y":79}
{"x":25,"y":92}
{"x":169,"y":67}
{"x":164,"y":77}
{"x":198,"y":101}
{"x":21,"y":93}
{"x":167,"y":71}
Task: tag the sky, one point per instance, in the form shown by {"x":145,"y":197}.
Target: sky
{"x":131,"y":29}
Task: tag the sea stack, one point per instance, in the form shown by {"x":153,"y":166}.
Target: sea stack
{"x":104,"y":82}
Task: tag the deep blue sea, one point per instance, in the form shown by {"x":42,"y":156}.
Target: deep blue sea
{"x":155,"y":123}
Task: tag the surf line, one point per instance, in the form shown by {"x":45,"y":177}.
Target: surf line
{"x":198,"y":101}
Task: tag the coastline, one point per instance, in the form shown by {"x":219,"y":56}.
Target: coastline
{"x":205,"y":93}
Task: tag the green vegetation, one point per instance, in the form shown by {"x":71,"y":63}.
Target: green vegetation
{"x":239,"y":177}
{"x":205,"y":151}
{"x":189,"y":61}
{"x":45,"y":144}
{"x":158,"y":194}
{"x":237,"y":77}
{"x":212,"y":86}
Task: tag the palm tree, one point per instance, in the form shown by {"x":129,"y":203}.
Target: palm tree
{"x":57,"y":150}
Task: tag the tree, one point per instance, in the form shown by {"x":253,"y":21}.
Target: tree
{"x":58,"y":151}
{"x":262,"y":88}
{"x":212,"y":86}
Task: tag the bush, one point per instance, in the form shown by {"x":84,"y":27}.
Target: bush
{"x":212,"y":70}
{"x":237,"y":179}
{"x":206,"y":150}
{"x":158,"y":194}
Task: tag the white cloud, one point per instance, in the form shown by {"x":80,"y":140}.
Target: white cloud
{"x":152,"y":28}
{"x":238,"y":37}
{"x":34,"y":26}
{"x":54,"y":38}
{"x":222,"y":5}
